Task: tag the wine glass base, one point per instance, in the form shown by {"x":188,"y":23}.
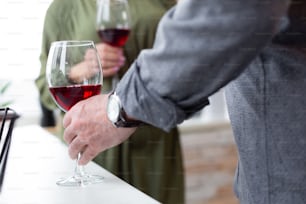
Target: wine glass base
{"x":83,"y":180}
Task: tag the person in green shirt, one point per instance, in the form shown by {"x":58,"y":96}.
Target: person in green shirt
{"x":151,"y":160}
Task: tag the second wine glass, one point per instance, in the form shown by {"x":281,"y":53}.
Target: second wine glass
{"x":113,"y":24}
{"x":74,"y":73}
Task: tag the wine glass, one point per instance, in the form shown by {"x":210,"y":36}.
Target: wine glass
{"x":113,"y":24}
{"x":74,"y":73}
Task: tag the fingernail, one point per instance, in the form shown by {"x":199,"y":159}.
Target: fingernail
{"x":122,"y":59}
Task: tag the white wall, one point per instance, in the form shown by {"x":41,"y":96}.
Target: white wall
{"x":21,"y":23}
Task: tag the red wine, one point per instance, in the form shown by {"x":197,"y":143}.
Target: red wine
{"x":67,"y":96}
{"x":113,"y":36}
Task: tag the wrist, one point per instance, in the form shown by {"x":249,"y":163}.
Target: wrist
{"x":117,"y":115}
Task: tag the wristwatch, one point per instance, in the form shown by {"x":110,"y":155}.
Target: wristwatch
{"x":116,"y":113}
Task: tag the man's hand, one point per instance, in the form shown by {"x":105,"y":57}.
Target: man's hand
{"x":88,"y":130}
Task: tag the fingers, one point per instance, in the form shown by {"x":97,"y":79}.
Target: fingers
{"x":109,"y":59}
{"x":112,"y":59}
{"x":110,"y":71}
{"x":69,"y":134}
{"x":102,"y":47}
{"x":75,"y":147}
{"x":92,"y":60}
{"x":76,"y":144}
{"x":109,"y":56}
{"x":83,"y":70}
{"x":67,"y":120}
{"x":90,"y":54}
{"x":87,"y":155}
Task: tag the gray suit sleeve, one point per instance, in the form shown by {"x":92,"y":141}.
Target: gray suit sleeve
{"x":200,"y":46}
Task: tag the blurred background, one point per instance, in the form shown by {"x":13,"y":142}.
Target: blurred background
{"x":21,"y":24}
{"x":208,"y":145}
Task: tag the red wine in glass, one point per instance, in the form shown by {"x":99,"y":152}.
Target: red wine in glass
{"x":114,"y":36}
{"x":67,"y":96}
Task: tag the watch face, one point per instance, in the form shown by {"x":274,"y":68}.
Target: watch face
{"x":113,"y":109}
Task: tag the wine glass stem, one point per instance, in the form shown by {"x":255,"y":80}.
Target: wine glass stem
{"x":79,"y":170}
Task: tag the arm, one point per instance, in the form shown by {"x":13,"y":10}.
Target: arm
{"x":213,"y":40}
{"x":200,"y":47}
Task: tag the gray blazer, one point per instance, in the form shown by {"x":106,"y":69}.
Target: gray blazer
{"x":267,"y":104}
{"x":203,"y":45}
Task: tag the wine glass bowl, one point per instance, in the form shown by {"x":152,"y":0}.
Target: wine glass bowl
{"x":74,"y":73}
{"x":113,"y":21}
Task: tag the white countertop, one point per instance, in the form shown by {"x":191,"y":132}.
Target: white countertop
{"x":37,"y":159}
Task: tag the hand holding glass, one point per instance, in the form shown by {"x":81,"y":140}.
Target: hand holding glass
{"x":74,"y":73}
{"x":113,"y":23}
